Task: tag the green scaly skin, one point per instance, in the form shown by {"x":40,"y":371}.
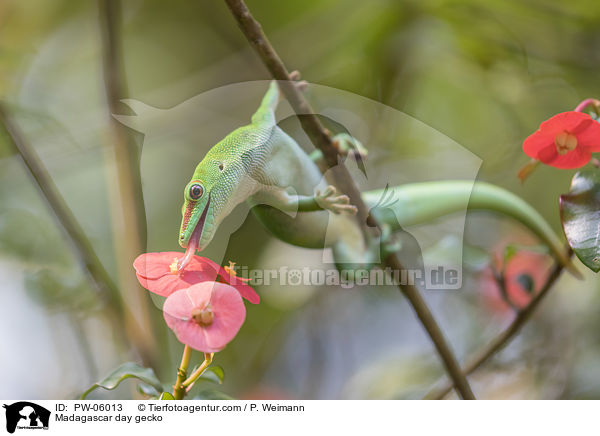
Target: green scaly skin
{"x":261,"y":164}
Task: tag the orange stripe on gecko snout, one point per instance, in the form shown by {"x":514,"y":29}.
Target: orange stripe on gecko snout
{"x":187,"y":215}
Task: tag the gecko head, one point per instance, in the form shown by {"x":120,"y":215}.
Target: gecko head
{"x":206,"y":202}
{"x":197,"y":215}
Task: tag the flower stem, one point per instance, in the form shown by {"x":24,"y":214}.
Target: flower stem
{"x":589,"y":102}
{"x":178,"y":389}
{"x":529,"y":168}
{"x":208,"y":357}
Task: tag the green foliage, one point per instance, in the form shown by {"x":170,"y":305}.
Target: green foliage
{"x":60,"y":289}
{"x":211,"y":394}
{"x":31,"y":239}
{"x":580,"y":216}
{"x":214,"y":374}
{"x":148,"y":390}
{"x":125,"y":371}
{"x":483,"y":73}
{"x":511,"y":249}
{"x":52,"y":277}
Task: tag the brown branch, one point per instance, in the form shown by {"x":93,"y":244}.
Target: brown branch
{"x":85,"y":254}
{"x":310,"y":123}
{"x":128,"y":211}
{"x":500,"y":341}
{"x":321,"y":139}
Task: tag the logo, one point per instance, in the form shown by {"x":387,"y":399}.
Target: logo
{"x":26,"y":415}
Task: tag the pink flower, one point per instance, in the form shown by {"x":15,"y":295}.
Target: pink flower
{"x":566,"y":140}
{"x":524,"y":275}
{"x":205,"y":316}
{"x":160,"y":274}
{"x":155,"y":273}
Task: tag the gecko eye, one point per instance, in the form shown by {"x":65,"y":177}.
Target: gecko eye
{"x":196,"y":191}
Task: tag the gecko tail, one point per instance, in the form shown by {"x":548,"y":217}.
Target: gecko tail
{"x":421,"y":202}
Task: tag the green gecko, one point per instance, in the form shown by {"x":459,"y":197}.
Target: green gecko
{"x":261,"y":164}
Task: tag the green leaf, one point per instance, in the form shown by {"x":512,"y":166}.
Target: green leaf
{"x":512,"y":249}
{"x":147,"y":390}
{"x":580,"y":217}
{"x":211,"y":394}
{"x":166,"y":396}
{"x":213,"y":374}
{"x":125,"y":371}
{"x":509,"y":252}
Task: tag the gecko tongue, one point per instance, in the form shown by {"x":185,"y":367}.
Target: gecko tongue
{"x":190,"y":251}
{"x":195,"y":238}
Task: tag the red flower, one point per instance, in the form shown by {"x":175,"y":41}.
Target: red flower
{"x":160,"y":274}
{"x":524,"y":275}
{"x":205,"y":316}
{"x":566,"y":140}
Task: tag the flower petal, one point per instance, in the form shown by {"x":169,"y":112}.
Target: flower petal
{"x":190,"y":333}
{"x":244,"y":289}
{"x":181,"y":303}
{"x":573,"y":159}
{"x":528,"y":265}
{"x":228,"y":311}
{"x":229,"y":315}
{"x":564,"y":121}
{"x":153,"y":271}
{"x":536,"y":142}
{"x":154,"y":265}
{"x":170,"y":283}
{"x":590,"y":137}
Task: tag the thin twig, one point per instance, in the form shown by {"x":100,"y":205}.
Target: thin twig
{"x":189,"y":382}
{"x":65,"y":219}
{"x":500,"y":341}
{"x":321,"y":139}
{"x":500,"y":279}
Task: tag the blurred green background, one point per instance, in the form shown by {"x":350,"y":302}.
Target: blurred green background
{"x":482,"y":73}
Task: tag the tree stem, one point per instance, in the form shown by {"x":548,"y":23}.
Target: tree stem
{"x":320,"y":137}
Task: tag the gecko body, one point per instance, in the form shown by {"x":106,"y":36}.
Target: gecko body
{"x":261,"y":164}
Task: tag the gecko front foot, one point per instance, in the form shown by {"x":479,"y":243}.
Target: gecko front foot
{"x":329,"y":199}
{"x":349,"y":145}
{"x":301,"y":85}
